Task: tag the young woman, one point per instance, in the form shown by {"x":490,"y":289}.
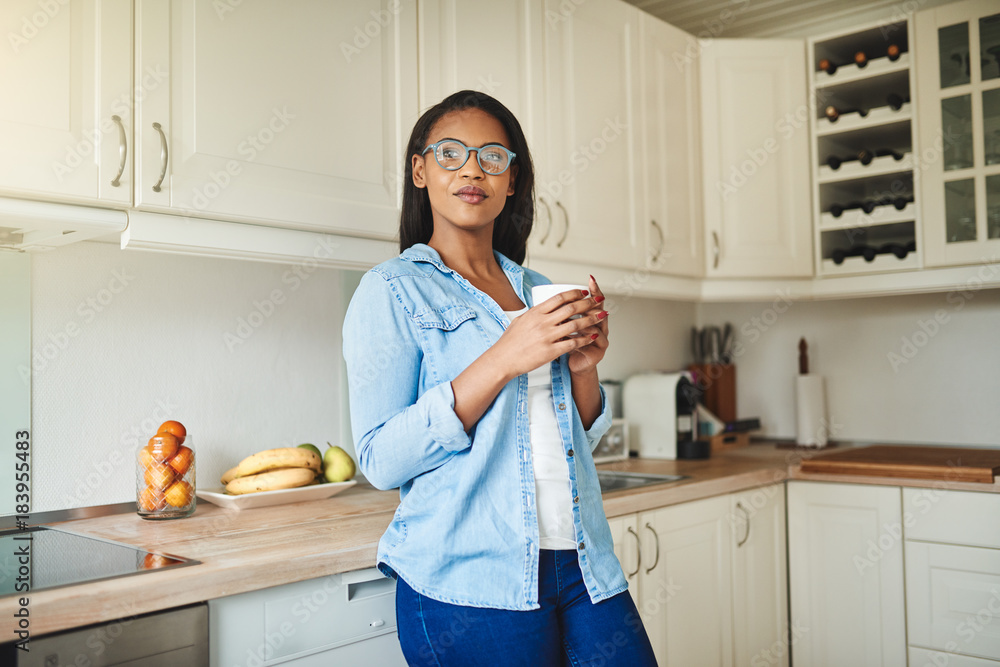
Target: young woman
{"x":483,"y":408}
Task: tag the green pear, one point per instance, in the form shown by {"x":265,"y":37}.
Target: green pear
{"x":338,"y":466}
{"x":312,"y":447}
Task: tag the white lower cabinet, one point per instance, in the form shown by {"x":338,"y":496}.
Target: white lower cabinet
{"x":845,"y":556}
{"x":696,"y":568}
{"x":952,"y":577}
{"x":347,"y":619}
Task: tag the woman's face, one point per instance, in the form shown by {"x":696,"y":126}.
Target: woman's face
{"x":467,"y":198}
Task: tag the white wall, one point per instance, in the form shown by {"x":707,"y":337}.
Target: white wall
{"x":893,"y":373}
{"x":126,"y":339}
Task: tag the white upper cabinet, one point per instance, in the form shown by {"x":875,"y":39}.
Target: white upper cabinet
{"x":66,"y":108}
{"x":755,"y":140}
{"x":292,"y":114}
{"x":584,"y":182}
{"x":958,"y":102}
{"x":668,"y":150}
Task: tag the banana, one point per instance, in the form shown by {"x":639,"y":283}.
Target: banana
{"x":283,"y":457}
{"x":228,"y":476}
{"x":272,"y":480}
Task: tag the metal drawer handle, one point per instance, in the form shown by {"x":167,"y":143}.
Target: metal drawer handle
{"x":659,"y":247}
{"x":163,"y":156}
{"x":548,"y":218}
{"x":566,"y":230}
{"x":746,"y":537}
{"x":638,"y":554}
{"x":122,"y":151}
{"x":716,"y":250}
{"x":657,"y":559}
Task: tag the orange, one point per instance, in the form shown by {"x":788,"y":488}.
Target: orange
{"x":145,"y":456}
{"x":163,"y":446}
{"x":159,"y":475}
{"x":153,"y":561}
{"x":179,"y":494}
{"x":182,"y":460}
{"x":173,"y":428}
{"x":151,"y":499}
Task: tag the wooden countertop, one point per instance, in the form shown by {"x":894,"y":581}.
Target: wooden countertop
{"x":260,"y":548}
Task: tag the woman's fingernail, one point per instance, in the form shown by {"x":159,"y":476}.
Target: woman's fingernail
{"x":601,"y":315}
{"x":592,"y":278}
{"x":585,"y":292}
{"x":593,"y":336}
{"x":599,"y":298}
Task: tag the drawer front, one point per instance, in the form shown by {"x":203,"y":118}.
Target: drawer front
{"x":953,"y":598}
{"x":952,"y":517}
{"x":920,"y":657}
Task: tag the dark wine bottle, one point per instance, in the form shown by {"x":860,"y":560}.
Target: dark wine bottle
{"x":828,"y":66}
{"x":901,"y":202}
{"x":833,"y":113}
{"x":833,"y":162}
{"x":865,"y":156}
{"x":860,"y":59}
{"x":895,"y":101}
{"x":893,"y":52}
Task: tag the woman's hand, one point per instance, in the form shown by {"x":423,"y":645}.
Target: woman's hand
{"x":546,"y":332}
{"x":584,"y":360}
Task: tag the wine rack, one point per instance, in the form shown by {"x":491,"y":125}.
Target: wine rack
{"x":864,"y":167}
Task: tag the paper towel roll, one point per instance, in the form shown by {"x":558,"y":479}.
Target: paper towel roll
{"x":810,"y":411}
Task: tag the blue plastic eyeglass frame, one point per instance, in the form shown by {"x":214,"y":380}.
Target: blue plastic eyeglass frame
{"x":468,"y":151}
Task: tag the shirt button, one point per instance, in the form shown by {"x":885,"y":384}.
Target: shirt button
{"x":576,"y":499}
{"x":582,"y":545}
{"x":570,"y":452}
{"x":562,"y":406}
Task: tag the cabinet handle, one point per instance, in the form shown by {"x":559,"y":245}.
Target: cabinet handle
{"x":122,"y":151}
{"x":659,"y":248}
{"x":548,"y":217}
{"x":163,"y":156}
{"x":566,"y":229}
{"x":715,"y":250}
{"x":657,"y":540}
{"x":638,"y":553}
{"x":746,"y":537}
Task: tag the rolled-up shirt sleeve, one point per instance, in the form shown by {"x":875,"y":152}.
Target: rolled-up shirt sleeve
{"x":398,"y":433}
{"x":601,"y":424}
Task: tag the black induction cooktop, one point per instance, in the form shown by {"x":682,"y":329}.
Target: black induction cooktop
{"x":42,"y":557}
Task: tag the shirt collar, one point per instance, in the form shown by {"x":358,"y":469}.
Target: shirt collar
{"x":421,"y":252}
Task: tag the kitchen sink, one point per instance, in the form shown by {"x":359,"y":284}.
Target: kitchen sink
{"x":613,"y":480}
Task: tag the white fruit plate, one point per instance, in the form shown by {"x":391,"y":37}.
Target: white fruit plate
{"x":248,"y":501}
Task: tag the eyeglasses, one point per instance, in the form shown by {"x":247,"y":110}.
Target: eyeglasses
{"x":452,"y":155}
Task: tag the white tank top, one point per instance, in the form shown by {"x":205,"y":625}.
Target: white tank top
{"x":553,"y":493}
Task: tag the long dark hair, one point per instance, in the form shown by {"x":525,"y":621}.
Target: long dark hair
{"x":513,"y":225}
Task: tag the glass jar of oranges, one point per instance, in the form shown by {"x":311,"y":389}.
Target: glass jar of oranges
{"x":165,"y":474}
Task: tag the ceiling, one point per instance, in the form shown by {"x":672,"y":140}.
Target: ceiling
{"x":776,"y":18}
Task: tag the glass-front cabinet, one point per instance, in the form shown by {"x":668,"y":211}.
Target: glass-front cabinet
{"x":958,"y":81}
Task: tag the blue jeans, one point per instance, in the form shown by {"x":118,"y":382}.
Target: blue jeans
{"x":568,"y":629}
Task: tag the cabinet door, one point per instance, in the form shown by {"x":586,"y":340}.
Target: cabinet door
{"x":845,"y":559}
{"x":760,"y":592}
{"x":458,"y":42}
{"x":67,"y":77}
{"x":685,"y":591}
{"x":626,"y":541}
{"x":291,"y":114}
{"x":953,"y":598}
{"x":958,"y":99}
{"x":586,"y":179}
{"x":756,"y":159}
{"x":668,"y":151}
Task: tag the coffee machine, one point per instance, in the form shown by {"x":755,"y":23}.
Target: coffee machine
{"x":662,"y":413}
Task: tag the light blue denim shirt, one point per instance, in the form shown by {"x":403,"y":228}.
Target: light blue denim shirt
{"x":466,"y":529}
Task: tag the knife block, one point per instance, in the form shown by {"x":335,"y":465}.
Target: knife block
{"x":718,"y":384}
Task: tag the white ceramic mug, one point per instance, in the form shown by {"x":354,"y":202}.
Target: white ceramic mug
{"x":540,"y":293}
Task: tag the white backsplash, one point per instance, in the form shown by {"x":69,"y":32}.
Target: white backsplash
{"x":245,"y":354}
{"x":916,"y":369}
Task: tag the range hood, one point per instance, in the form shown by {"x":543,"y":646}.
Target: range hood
{"x":32,"y":226}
